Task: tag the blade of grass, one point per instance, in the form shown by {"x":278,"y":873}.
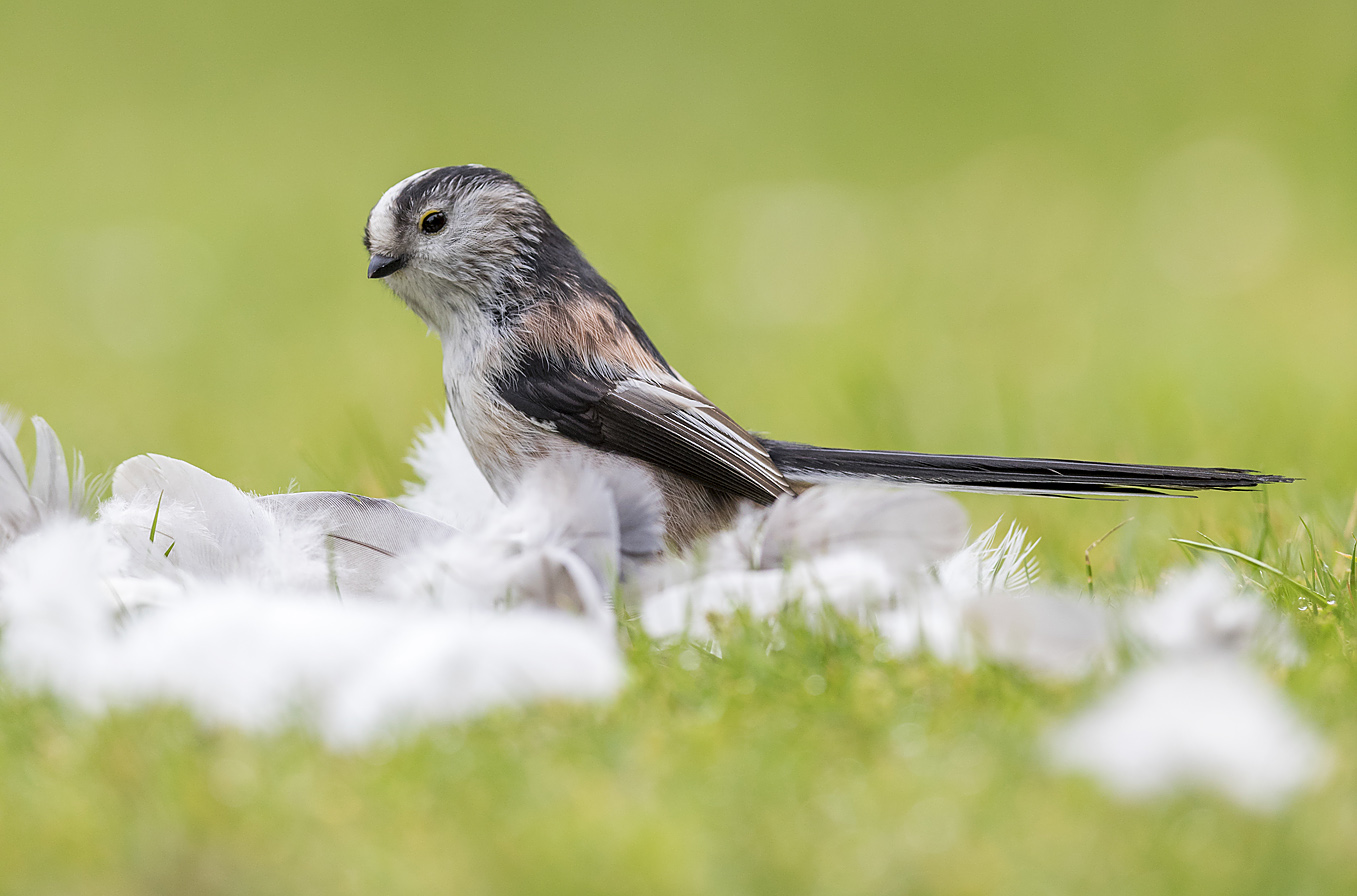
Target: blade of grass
{"x":155,"y":520}
{"x":1088,"y":559}
{"x":1352,"y":574}
{"x":1266,"y":529}
{"x":1252,"y":561}
{"x":1317,"y":561}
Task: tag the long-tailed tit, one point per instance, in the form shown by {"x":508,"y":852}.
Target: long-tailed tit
{"x":540,"y":356}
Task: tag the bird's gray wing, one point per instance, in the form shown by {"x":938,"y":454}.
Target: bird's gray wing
{"x":661,"y":420}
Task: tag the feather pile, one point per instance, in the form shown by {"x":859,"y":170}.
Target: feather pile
{"x":365,"y":618}
{"x":358,"y":617}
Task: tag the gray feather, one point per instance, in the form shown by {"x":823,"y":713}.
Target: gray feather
{"x":51,"y":483}
{"x":910,"y":528}
{"x":571,"y":497}
{"x":17,"y":509}
{"x":365,"y":536}
{"x":640,"y":511}
{"x":24,"y":505}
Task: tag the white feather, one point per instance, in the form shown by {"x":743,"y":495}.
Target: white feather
{"x":1210,"y":722}
{"x":1050,"y":635}
{"x":58,"y":615}
{"x":90,"y":621}
{"x":52,"y":494}
{"x":261,"y":659}
{"x":558,"y":544}
{"x":911,"y":529}
{"x":451,"y":488}
{"x":850,"y":581}
{"x":1203,"y":610}
{"x":984,"y":565}
{"x":174,"y":516}
{"x":856,"y":546}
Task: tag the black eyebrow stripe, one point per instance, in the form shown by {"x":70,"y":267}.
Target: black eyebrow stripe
{"x":453,"y":179}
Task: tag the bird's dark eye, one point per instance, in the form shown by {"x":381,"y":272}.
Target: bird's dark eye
{"x":432,"y":221}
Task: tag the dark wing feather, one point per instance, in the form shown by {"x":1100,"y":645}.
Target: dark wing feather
{"x":666,"y":423}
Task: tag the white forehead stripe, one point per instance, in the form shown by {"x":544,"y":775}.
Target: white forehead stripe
{"x":382,"y":221}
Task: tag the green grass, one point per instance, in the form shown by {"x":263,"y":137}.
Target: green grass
{"x":1046,"y":228}
{"x":818,"y":765}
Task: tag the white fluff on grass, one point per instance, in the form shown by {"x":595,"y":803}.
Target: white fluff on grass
{"x":561,"y":542}
{"x":888,"y":556}
{"x":57,"y":610}
{"x":259,"y":658}
{"x":982,"y":604}
{"x":854,"y":546}
{"x":908,"y":529}
{"x":1208,"y":722}
{"x":449,"y":487}
{"x":357,"y":671}
{"x":230,"y":608}
{"x":239,"y":619}
{"x":1203,"y":609}
{"x":892,"y":557}
{"x":932,"y":618}
{"x":1198,"y":713}
{"x":1047,"y":634}
{"x":848,"y":581}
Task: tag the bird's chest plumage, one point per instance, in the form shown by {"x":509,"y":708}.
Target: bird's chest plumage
{"x":502,"y":441}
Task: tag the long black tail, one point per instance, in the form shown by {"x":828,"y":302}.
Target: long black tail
{"x":1022,"y":475}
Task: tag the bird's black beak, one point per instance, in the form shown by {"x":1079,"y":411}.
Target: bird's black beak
{"x":384,"y":265}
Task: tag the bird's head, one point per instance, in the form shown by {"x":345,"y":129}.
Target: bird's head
{"x":461,"y":236}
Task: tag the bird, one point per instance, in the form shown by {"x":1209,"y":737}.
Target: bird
{"x":542,"y":357}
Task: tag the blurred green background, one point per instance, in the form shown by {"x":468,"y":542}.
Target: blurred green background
{"x":1064,"y":228}
{"x":1118,"y":232}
